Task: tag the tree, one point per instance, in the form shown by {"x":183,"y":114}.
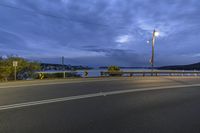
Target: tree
{"x":25,"y":69}
{"x":114,"y":71}
{"x":5,"y":70}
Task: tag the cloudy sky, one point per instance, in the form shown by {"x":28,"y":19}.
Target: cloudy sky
{"x":101,"y":32}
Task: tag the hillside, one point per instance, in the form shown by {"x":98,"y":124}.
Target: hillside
{"x":195,"y":66}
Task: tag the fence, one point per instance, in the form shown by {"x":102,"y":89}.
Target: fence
{"x":152,"y":73}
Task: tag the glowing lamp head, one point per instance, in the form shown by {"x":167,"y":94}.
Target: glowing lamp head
{"x":156,"y":33}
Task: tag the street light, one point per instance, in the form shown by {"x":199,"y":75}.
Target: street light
{"x":155,"y":34}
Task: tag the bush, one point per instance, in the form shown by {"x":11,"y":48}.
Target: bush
{"x":25,"y":69}
{"x":114,"y":71}
{"x":55,"y":75}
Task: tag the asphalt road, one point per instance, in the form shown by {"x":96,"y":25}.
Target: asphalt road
{"x":107,"y":105}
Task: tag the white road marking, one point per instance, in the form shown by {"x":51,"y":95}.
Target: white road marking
{"x":70,"y":98}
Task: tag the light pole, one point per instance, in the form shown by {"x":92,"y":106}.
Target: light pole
{"x":63,"y":66}
{"x":155,"y":34}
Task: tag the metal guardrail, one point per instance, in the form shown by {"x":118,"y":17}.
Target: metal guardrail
{"x":134,"y":73}
{"x":51,"y":72}
{"x":152,"y":73}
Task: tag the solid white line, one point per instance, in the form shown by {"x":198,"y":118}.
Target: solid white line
{"x":70,"y":98}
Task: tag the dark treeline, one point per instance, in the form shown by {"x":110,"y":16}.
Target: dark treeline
{"x":47,"y":66}
{"x":195,"y":66}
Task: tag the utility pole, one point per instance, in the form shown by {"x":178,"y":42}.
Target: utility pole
{"x":63,"y":66}
{"x":155,"y":34}
{"x":63,"y":58}
{"x":153,"y":45}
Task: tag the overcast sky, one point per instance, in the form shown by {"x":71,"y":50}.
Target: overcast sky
{"x":101,"y":32}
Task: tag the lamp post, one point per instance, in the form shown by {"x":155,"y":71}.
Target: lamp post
{"x":155,"y":34}
{"x":63,"y":66}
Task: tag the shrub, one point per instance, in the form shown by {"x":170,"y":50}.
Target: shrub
{"x":114,"y":71}
{"x":25,"y":69}
{"x":56,"y":75}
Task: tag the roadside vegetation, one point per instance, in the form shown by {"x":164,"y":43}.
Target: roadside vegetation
{"x":55,"y":75}
{"x":114,"y":71}
{"x":24,"y":70}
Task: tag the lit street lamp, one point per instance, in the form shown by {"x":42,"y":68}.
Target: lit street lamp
{"x":155,"y":34}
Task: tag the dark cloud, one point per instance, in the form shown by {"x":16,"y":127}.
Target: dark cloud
{"x":101,"y":32}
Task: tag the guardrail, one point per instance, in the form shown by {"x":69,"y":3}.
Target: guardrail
{"x":152,"y":73}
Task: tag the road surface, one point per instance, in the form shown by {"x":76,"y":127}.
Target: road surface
{"x":107,"y":105}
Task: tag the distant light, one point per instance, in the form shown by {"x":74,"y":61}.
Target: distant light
{"x":148,"y":41}
{"x":156,"y":33}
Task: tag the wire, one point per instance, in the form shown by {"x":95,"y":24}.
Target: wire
{"x":59,"y":17}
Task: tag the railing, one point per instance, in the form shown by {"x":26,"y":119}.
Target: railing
{"x":152,"y":73}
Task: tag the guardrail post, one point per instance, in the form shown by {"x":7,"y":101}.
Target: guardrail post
{"x":131,"y":74}
{"x":64,"y":75}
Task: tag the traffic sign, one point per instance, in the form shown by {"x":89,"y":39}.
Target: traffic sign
{"x":15,"y":63}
